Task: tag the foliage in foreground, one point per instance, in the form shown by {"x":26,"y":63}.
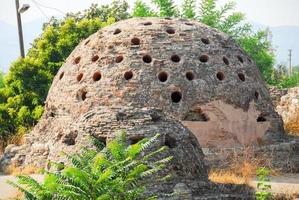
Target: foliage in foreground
{"x":263,"y":184}
{"x":27,"y":83}
{"x":116,"y":171}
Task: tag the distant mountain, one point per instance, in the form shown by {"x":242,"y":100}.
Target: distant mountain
{"x":9,"y":41}
{"x":284,"y":38}
{"x":8,"y":45}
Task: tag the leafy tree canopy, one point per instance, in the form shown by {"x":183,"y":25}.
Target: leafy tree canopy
{"x":1,"y":79}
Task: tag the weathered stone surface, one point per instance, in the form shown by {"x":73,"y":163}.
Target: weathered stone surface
{"x":177,"y":65}
{"x":276,"y":94}
{"x":288,"y":108}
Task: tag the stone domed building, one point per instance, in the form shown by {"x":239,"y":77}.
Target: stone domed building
{"x":192,"y":72}
{"x":146,"y":75}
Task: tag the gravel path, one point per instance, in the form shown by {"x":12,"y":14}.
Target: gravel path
{"x":286,"y":184}
{"x":7,"y":191}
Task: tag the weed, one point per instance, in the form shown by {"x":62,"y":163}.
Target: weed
{"x":263,"y":184}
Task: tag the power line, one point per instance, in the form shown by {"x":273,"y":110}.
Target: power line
{"x":40,"y":10}
{"x":53,"y":8}
{"x":290,"y":62}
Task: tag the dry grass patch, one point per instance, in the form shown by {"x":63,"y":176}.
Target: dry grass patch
{"x":18,"y":196}
{"x":240,"y":168}
{"x":237,"y":174}
{"x":17,"y":139}
{"x":292,"y":126}
{"x":27,"y":170}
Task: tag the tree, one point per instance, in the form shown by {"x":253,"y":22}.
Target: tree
{"x":166,"y":8}
{"x":1,"y":79}
{"x":142,"y":10}
{"x":188,"y":9}
{"x":113,"y":172}
{"x":259,"y":49}
{"x":118,"y":9}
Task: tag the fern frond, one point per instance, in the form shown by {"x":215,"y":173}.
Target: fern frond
{"x":152,"y":171}
{"x":30,"y":182}
{"x":64,"y":180}
{"x":27,"y":193}
{"x":164,"y":160}
{"x":154,"y":153}
{"x":98,"y":144}
{"x":150,"y":142}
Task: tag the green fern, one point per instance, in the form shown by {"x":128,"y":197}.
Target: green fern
{"x":113,"y":172}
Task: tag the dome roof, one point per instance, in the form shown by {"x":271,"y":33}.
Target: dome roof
{"x":174,"y":64}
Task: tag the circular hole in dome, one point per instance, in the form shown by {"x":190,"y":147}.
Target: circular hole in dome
{"x":77,"y":60}
{"x":94,"y":58}
{"x":225,"y":60}
{"x":147,"y":23}
{"x":190,"y":76}
{"x":240,"y":59}
{"x":135,"y":41}
{"x":163,"y":76}
{"x":220,"y":76}
{"x":147,"y":59}
{"x":170,"y":31}
{"x":256,"y":94}
{"x":241,"y":76}
{"x":261,"y":118}
{"x":61,"y":75}
{"x":189,"y":23}
{"x":118,"y":59}
{"x":203,"y":58}
{"x":117,"y":31}
{"x":79,"y":77}
{"x":86,"y":42}
{"x":96,"y":76}
{"x":170,"y":142}
{"x":82,"y":95}
{"x":175,"y":58}
{"x":205,"y":40}
{"x":136,"y":139}
{"x":176,"y":96}
{"x":128,"y":75}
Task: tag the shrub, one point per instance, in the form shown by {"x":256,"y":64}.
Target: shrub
{"x":263,"y":184}
{"x":116,"y":171}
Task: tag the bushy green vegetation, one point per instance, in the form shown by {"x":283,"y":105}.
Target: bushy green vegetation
{"x":283,"y":79}
{"x":263,"y":184}
{"x":28,"y":80}
{"x":1,"y":79}
{"x":116,"y":171}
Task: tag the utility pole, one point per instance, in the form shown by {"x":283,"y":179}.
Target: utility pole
{"x":290,"y":63}
{"x":19,"y":20}
{"x":19,"y":11}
